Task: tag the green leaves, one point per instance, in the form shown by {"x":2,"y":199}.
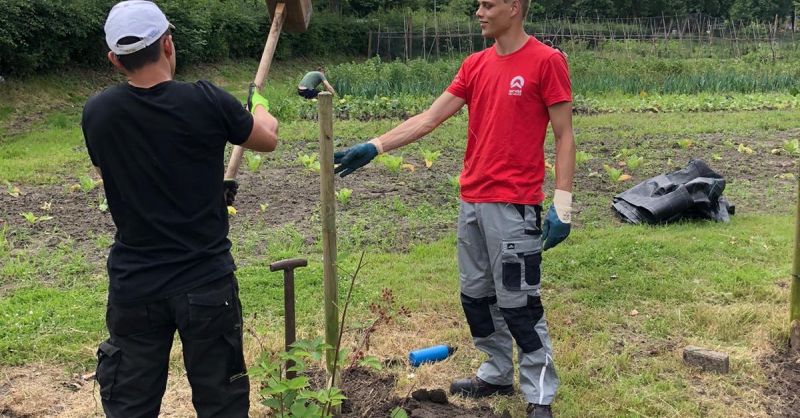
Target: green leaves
{"x":309,"y":161}
{"x":393,"y":163}
{"x":371,"y":361}
{"x":33,"y":219}
{"x":582,"y":157}
{"x":87,"y":184}
{"x":343,"y":196}
{"x":292,"y":398}
{"x":633,"y":162}
{"x":430,"y":156}
{"x":615,"y":175}
{"x":253,"y":160}
{"x":399,"y":413}
{"x":454,"y":182}
{"x":792,"y":147}
{"x":12,"y":190}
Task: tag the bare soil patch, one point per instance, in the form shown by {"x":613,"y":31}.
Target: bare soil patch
{"x":762,"y":183}
{"x":782,"y":398}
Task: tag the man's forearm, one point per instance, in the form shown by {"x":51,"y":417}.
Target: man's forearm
{"x":405,"y":133}
{"x":565,"y":161}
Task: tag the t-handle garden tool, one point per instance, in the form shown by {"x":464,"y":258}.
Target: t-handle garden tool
{"x":288,"y":267}
{"x":289,"y":15}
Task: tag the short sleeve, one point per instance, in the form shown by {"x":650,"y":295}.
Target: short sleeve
{"x":237,"y":119}
{"x":556,"y":86}
{"x":84,"y":127}
{"x":459,"y":85}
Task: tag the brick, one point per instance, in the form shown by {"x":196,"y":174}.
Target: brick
{"x":707,"y":360}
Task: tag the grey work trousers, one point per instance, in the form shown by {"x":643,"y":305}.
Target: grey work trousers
{"x":499,"y":259}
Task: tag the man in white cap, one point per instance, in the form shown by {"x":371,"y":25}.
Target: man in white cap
{"x":159,"y":146}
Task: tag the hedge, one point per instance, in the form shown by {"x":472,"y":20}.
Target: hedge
{"x":39,"y":36}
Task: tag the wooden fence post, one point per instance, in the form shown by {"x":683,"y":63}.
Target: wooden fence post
{"x":794,"y":295}
{"x":328,"y":218}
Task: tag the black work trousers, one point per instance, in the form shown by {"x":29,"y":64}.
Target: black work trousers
{"x":132,"y":364}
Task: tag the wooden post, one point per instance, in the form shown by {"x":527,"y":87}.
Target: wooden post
{"x":772,"y":41}
{"x":405,"y":40}
{"x":369,"y":46}
{"x":411,"y":36}
{"x":471,"y":37}
{"x":378,"y":42}
{"x":794,"y":298}
{"x":328,"y":218}
{"x":424,"y":41}
{"x":436,"y":33}
{"x":571,"y":38}
{"x":458,"y":31}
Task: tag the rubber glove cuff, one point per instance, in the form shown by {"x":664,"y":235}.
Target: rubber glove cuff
{"x":562,"y":202}
{"x":378,"y":145}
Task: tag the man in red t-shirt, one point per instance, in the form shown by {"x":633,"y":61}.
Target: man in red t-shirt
{"x":513,"y":90}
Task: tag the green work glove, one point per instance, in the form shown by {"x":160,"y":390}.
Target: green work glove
{"x":254,"y":99}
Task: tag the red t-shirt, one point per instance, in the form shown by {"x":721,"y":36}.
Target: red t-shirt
{"x":507,"y":97}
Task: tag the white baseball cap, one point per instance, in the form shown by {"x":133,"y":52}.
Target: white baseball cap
{"x":135,"y":18}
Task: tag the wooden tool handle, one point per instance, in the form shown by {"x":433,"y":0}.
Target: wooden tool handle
{"x":261,"y":77}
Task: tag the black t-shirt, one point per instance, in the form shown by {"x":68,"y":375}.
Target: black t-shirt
{"x":161,"y":152}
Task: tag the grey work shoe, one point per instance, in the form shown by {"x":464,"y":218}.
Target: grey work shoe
{"x":539,"y":411}
{"x":474,"y":387}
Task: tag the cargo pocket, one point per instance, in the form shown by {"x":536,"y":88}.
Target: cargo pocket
{"x":212,"y":313}
{"x":108,"y":357}
{"x":522,"y":259}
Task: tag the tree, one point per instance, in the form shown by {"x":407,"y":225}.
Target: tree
{"x":592,"y":8}
{"x":760,"y":9}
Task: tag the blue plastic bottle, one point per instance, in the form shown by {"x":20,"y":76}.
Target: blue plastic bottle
{"x":430,"y":354}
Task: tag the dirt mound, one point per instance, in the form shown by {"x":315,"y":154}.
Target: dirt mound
{"x":371,"y":393}
{"x":782,"y":399}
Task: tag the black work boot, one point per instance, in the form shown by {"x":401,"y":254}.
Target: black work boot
{"x":539,"y":411}
{"x":474,"y":387}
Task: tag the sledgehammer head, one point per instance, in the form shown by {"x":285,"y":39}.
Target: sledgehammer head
{"x":297,"y":12}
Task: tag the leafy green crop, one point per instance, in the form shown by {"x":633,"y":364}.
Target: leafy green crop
{"x":253,"y":160}
{"x":33,"y":219}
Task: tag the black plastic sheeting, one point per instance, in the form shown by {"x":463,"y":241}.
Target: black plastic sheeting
{"x":694,"y":192}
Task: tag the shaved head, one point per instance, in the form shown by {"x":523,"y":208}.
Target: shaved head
{"x":525,"y":4}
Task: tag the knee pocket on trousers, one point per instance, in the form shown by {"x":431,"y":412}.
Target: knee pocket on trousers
{"x":522,"y":324}
{"x":479,"y":315}
{"x":108,"y":358}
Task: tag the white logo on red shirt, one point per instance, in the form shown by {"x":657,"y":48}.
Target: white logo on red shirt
{"x":516,"y":86}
